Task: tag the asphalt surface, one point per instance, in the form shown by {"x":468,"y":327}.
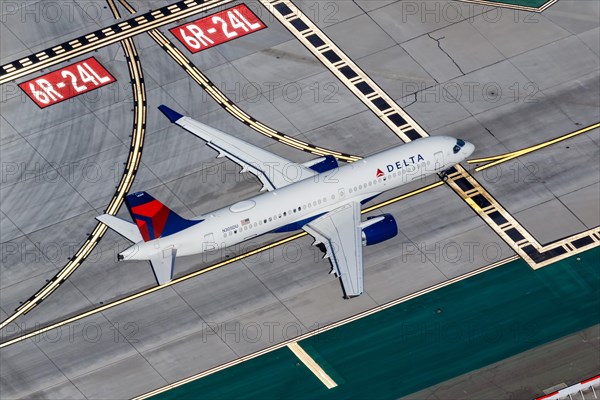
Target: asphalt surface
{"x":545,"y":66}
{"x":435,"y":337}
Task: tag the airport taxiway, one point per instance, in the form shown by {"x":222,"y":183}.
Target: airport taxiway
{"x":181,"y":330}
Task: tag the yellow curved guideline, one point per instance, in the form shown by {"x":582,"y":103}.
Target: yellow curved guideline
{"x":202,"y":271}
{"x":230,"y":261}
{"x":229,"y":105}
{"x":127,"y":179}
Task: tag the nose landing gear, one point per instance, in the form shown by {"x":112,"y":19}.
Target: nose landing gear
{"x":444,"y":175}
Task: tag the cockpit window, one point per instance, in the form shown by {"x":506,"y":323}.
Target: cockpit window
{"x":459,"y":145}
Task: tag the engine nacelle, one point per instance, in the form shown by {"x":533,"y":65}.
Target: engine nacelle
{"x":378,"y":229}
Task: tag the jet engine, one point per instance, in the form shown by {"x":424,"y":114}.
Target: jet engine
{"x":378,"y":229}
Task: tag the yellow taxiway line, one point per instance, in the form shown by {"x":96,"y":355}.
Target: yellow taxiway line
{"x":326,"y":328}
{"x":125,"y":30}
{"x":134,"y":160}
{"x":312,"y":365}
{"x":475,"y":195}
{"x":495,"y":160}
{"x":213,"y":91}
{"x":193,"y":274}
{"x":132,"y":164}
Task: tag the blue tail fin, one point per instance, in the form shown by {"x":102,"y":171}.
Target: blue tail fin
{"x":153,"y":218}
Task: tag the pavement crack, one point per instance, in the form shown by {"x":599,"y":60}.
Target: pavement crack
{"x":490,"y":132}
{"x":414,"y":95}
{"x":445,"y":52}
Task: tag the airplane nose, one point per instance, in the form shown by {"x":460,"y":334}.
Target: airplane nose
{"x":468,"y":149}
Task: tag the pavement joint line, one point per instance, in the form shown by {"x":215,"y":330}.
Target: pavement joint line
{"x":137,"y":139}
{"x":125,"y":31}
{"x":511,"y":6}
{"x":70,"y":270}
{"x":325,"y":328}
{"x":229,"y":106}
{"x":595,"y":235}
{"x":312,"y":365}
{"x":192,"y":274}
{"x":495,"y":160}
{"x":364,"y":84}
{"x":363,"y":87}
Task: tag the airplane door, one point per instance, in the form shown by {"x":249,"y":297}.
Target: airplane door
{"x":438,"y":160}
{"x":209,"y":242}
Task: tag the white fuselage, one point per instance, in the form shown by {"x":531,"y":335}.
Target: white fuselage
{"x":290,"y":207}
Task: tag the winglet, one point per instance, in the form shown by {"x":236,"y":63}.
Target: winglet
{"x":173,"y":116}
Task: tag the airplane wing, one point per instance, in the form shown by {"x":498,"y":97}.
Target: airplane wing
{"x":339,"y":230}
{"x":273,"y":171}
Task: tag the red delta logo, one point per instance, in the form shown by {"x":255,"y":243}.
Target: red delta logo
{"x":378,"y":173}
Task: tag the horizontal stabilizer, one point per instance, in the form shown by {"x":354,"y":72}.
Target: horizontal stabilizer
{"x":163,"y":264}
{"x":124,"y":228}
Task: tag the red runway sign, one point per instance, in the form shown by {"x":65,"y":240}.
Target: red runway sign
{"x":66,"y":83}
{"x":218,"y":28}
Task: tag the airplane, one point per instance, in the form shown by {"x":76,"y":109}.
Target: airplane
{"x":320,"y":197}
